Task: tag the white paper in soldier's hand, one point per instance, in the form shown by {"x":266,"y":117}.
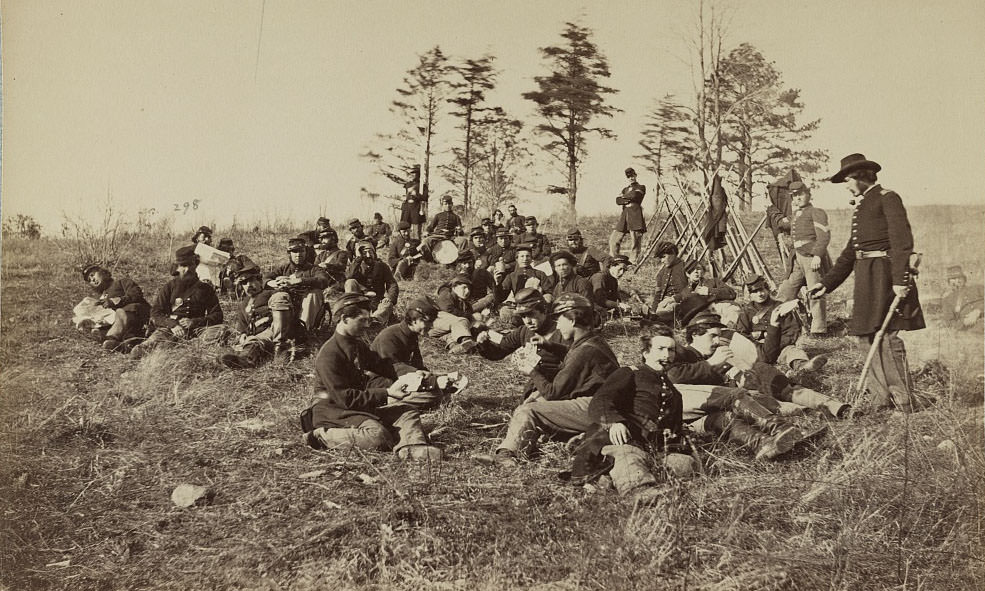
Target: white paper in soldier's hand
{"x":495,"y":336}
{"x":532,"y":283}
{"x":745,"y":352}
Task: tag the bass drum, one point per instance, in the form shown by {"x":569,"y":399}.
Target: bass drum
{"x":444,"y":252}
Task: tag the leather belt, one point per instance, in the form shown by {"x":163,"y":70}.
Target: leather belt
{"x":870,"y":254}
{"x":799,"y":243}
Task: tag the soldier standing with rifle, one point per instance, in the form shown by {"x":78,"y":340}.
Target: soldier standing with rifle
{"x":878,"y":252}
{"x":631,"y":220}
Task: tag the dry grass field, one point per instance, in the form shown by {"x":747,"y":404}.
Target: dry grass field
{"x":93,"y":443}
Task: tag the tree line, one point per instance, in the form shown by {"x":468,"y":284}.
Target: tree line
{"x":740,"y":119}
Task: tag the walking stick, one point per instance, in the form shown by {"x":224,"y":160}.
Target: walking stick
{"x":876,"y":342}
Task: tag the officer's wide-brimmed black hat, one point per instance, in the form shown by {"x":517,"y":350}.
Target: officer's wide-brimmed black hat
{"x":851,"y":163}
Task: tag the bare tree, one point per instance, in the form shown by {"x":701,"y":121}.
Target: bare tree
{"x":471,"y":81}
{"x":418,"y":107}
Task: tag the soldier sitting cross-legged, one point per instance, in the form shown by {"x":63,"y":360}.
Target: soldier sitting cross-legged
{"x":360,"y":398}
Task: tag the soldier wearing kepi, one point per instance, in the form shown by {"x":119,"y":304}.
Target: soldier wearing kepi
{"x":359,"y":394}
{"x":878,"y":252}
{"x":380,"y":231}
{"x":810,"y":233}
{"x":774,"y":328}
{"x":305,"y":283}
{"x":183,"y":308}
{"x":370,"y":276}
{"x":125,"y":298}
{"x":333,"y":260}
{"x":963,"y":304}
{"x":404,"y":253}
{"x":631,"y":218}
{"x":532,"y":309}
{"x":605,"y":287}
{"x":263,"y":323}
{"x":588,"y":260}
{"x":539,"y":243}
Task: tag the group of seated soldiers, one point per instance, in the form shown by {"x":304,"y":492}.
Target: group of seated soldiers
{"x":549,"y":318}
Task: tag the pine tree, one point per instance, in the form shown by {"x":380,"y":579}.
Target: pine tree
{"x":570,"y":99}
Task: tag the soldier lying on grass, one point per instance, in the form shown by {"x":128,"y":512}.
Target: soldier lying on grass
{"x":707,"y":359}
{"x":119,"y":305}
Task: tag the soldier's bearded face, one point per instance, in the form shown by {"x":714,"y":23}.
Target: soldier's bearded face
{"x":855,"y":186}
{"x":253,"y":286}
{"x":185,"y":271}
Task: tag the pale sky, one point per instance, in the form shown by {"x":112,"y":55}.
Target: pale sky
{"x":162,"y":102}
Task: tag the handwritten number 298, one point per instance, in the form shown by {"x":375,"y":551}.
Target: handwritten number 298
{"x":184,"y":207}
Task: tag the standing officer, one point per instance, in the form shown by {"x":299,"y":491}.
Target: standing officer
{"x":878,"y":252}
{"x":631,"y":219}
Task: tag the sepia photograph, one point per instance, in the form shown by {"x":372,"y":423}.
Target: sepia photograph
{"x":491,"y":295}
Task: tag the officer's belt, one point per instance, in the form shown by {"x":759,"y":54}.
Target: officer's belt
{"x":799,"y":243}
{"x":870,"y":254}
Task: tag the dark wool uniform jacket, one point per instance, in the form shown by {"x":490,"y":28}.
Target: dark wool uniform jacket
{"x":353,"y":379}
{"x":258,"y":318}
{"x":401,"y":247}
{"x":516,"y":221}
{"x":445,"y":222}
{"x":572,"y":284}
{"x":643,"y":399}
{"x":131,"y":297}
{"x":718,"y":290}
{"x":516,"y":280}
{"x":541,"y":245}
{"x":197,"y":300}
{"x":375,"y":275}
{"x":879,"y":223}
{"x":631,"y":200}
{"x":447,"y":301}
{"x":586,"y":366}
{"x":588,"y":261}
{"x":506,"y":254}
{"x":482,"y":284}
{"x":605,"y":290}
{"x":400,"y":346}
{"x":689,"y":366}
{"x":380,"y":233}
{"x":754,"y":322}
{"x":671,"y":282}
